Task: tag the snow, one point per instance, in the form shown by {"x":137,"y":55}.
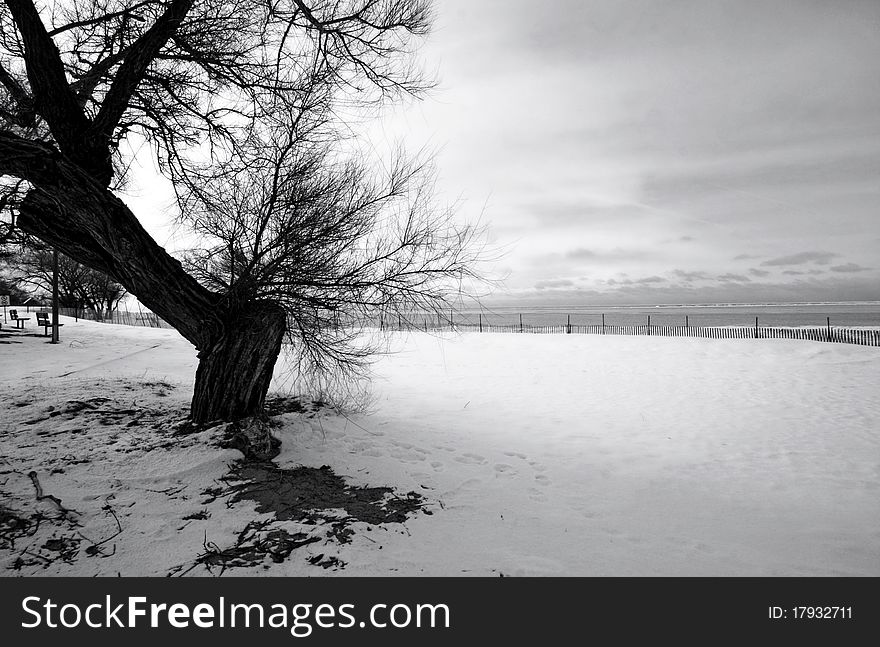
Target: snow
{"x":535,"y":455}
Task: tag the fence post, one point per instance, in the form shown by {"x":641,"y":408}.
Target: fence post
{"x":603,"y":324}
{"x":520,"y":323}
{"x":481,"y":322}
{"x":687,"y":323}
{"x":756,"y":328}
{"x":649,"y":324}
{"x":568,"y":326}
{"x":828,"y":321}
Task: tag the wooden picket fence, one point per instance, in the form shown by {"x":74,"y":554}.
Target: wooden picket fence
{"x":860,"y":336}
{"x":120,"y":317}
{"x":828,"y":333}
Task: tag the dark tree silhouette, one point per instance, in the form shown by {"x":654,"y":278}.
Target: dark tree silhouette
{"x":240,"y":101}
{"x":78,"y":286}
{"x":8,"y":288}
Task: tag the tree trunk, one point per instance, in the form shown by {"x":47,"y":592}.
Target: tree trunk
{"x":235,"y":368}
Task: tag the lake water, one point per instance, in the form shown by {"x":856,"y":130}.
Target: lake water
{"x":859,"y":314}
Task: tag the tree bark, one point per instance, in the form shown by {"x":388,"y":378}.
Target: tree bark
{"x":235,"y":368}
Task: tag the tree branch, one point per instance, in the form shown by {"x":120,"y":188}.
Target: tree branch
{"x":24,"y":103}
{"x":85,"y":86}
{"x":132,"y":70}
{"x":99,"y":19}
{"x":53,"y":98}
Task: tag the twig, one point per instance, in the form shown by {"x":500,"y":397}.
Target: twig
{"x":187,"y":570}
{"x":211,"y":547}
{"x":372,"y":433}
{"x":54,"y":499}
{"x":95,"y":547}
{"x":37,"y":555}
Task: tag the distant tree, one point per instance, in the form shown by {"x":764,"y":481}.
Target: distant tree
{"x":10,"y":249}
{"x":16,"y":295}
{"x":78,"y":286}
{"x":10,"y":237}
{"x":241,"y":101}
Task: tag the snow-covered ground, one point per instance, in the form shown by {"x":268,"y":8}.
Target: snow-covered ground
{"x":535,"y":455}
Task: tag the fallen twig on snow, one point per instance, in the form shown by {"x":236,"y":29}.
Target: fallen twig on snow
{"x":65,"y":512}
{"x":95,"y":548}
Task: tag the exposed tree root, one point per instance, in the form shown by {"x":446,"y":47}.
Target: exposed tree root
{"x":253,"y":438}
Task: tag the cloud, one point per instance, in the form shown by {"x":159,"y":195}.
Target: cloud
{"x":849,"y":267}
{"x":734,"y":278}
{"x":678,"y":239}
{"x":651,"y":279}
{"x":820,"y":258}
{"x":554,"y":283}
{"x":838,"y":287}
{"x":641,"y":155}
{"x":615,"y":255}
{"x":580,"y":254}
{"x":581,"y":207}
{"x":690,"y":276}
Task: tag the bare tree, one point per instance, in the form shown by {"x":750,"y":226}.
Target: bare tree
{"x":16,"y":295}
{"x":337,"y":245}
{"x":240,"y":100}
{"x":79,"y":286}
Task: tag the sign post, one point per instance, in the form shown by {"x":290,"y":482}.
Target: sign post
{"x":4,"y":301}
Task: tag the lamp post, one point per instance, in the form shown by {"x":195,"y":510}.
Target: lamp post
{"x":54,"y":296}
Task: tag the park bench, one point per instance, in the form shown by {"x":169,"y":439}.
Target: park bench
{"x":19,"y":321}
{"x":43,"y":320}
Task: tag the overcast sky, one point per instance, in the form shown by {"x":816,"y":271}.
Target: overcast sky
{"x":661,"y":151}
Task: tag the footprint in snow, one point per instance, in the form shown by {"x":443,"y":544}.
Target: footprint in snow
{"x":407,"y":456}
{"x":408,"y":446}
{"x":537,"y":495}
{"x":471,"y":459}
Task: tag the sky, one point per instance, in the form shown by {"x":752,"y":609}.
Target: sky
{"x":663,"y":151}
